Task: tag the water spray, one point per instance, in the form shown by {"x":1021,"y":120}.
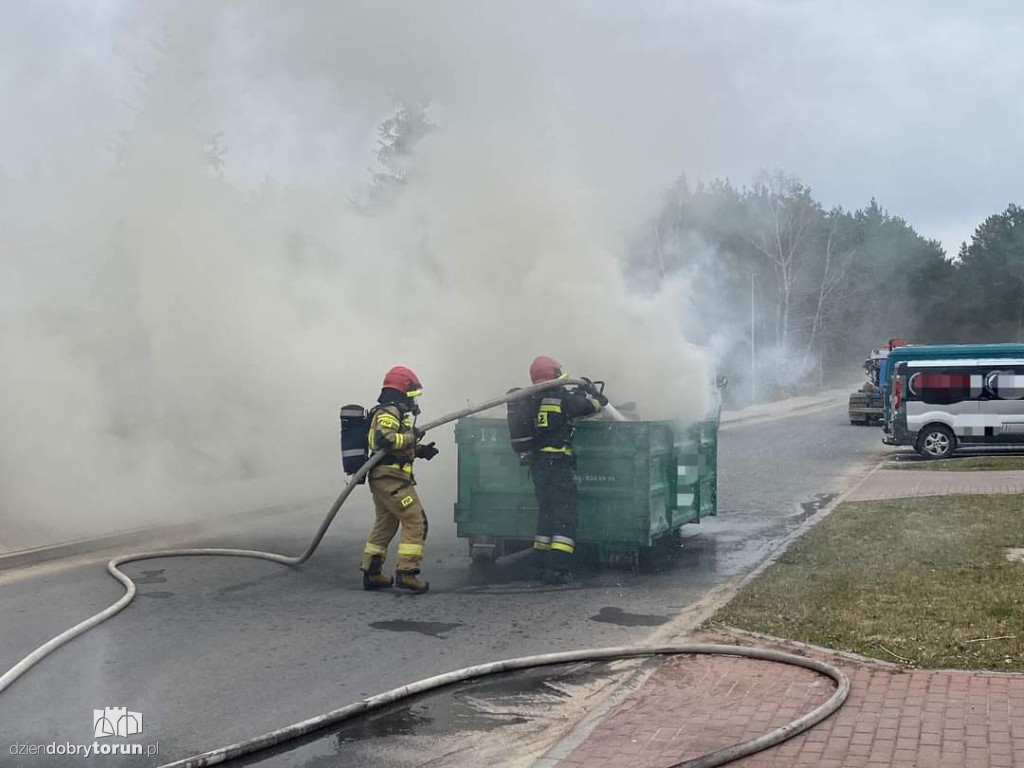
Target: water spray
{"x":614,"y":413}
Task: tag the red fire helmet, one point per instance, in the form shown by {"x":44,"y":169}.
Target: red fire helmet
{"x":404,"y":380}
{"x":544,"y":369}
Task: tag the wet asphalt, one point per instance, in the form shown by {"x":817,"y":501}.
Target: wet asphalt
{"x":216,"y":650}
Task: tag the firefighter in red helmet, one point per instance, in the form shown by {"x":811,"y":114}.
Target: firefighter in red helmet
{"x":393,"y":486}
{"x":552,"y":465}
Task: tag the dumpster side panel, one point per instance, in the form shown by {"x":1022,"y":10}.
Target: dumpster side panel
{"x":708,"y":468}
{"x":612,"y":475}
{"x":628,"y":476}
{"x":687,"y":497}
{"x":495,"y":493}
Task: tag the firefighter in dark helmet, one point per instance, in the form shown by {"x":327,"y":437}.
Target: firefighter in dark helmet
{"x":552,"y":464}
{"x":393,"y":486}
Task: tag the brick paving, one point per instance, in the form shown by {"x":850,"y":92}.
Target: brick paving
{"x":893,"y":717}
{"x":902,"y":718}
{"x":903,"y":483}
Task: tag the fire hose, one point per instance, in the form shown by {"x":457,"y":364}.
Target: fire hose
{"x":287,"y":733}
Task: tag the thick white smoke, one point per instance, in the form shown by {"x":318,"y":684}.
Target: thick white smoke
{"x":169,"y":332}
{"x":512,"y":261}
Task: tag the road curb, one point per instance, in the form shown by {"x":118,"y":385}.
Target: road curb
{"x":35,"y":555}
{"x":858,"y":658}
{"x":728,"y":629}
{"x":688,"y":620}
{"x":593,"y":718}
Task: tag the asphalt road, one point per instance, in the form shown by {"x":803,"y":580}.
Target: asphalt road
{"x":215,"y":650}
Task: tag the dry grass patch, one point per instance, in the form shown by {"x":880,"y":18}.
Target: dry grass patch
{"x":962,"y":464}
{"x":925,"y":581}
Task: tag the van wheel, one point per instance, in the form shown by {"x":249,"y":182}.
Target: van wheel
{"x":936,"y":441}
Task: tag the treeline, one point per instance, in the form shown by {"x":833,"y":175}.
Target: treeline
{"x":816,"y":289}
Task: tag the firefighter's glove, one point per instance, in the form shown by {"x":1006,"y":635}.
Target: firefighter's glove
{"x":599,"y":397}
{"x":427,"y":451}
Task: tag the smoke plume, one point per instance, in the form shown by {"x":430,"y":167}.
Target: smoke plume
{"x":186,"y":303}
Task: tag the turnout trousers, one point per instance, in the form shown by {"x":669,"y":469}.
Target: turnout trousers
{"x":555,"y":486}
{"x":396,"y":503}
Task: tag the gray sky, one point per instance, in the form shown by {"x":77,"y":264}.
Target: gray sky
{"x":915,"y":103}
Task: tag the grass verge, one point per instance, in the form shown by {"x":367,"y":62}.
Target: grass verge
{"x":923,"y":581}
{"x":962,"y":464}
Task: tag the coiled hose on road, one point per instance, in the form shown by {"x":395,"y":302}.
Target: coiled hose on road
{"x":719,"y":757}
{"x":307,"y":726}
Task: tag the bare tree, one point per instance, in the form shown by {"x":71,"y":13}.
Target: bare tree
{"x":667,"y":229}
{"x":837,"y":258}
{"x":784,"y":214}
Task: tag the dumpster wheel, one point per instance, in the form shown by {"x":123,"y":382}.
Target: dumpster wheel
{"x":484,"y":551}
{"x":718,"y":757}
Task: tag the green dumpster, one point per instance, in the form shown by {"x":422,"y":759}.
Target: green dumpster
{"x":639,"y":483}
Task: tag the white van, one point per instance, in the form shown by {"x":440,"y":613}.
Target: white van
{"x":939,"y":405}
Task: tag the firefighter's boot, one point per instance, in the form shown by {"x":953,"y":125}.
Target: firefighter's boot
{"x":563,"y":577}
{"x":373,"y":578}
{"x":538,"y":565}
{"x":411,"y":581}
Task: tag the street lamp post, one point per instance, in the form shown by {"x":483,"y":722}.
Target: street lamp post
{"x":821,"y":356}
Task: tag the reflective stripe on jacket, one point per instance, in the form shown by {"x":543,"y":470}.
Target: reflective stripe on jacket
{"x":391,"y":430}
{"x":557,"y":411}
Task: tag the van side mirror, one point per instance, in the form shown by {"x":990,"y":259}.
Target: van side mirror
{"x":722,"y":382}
